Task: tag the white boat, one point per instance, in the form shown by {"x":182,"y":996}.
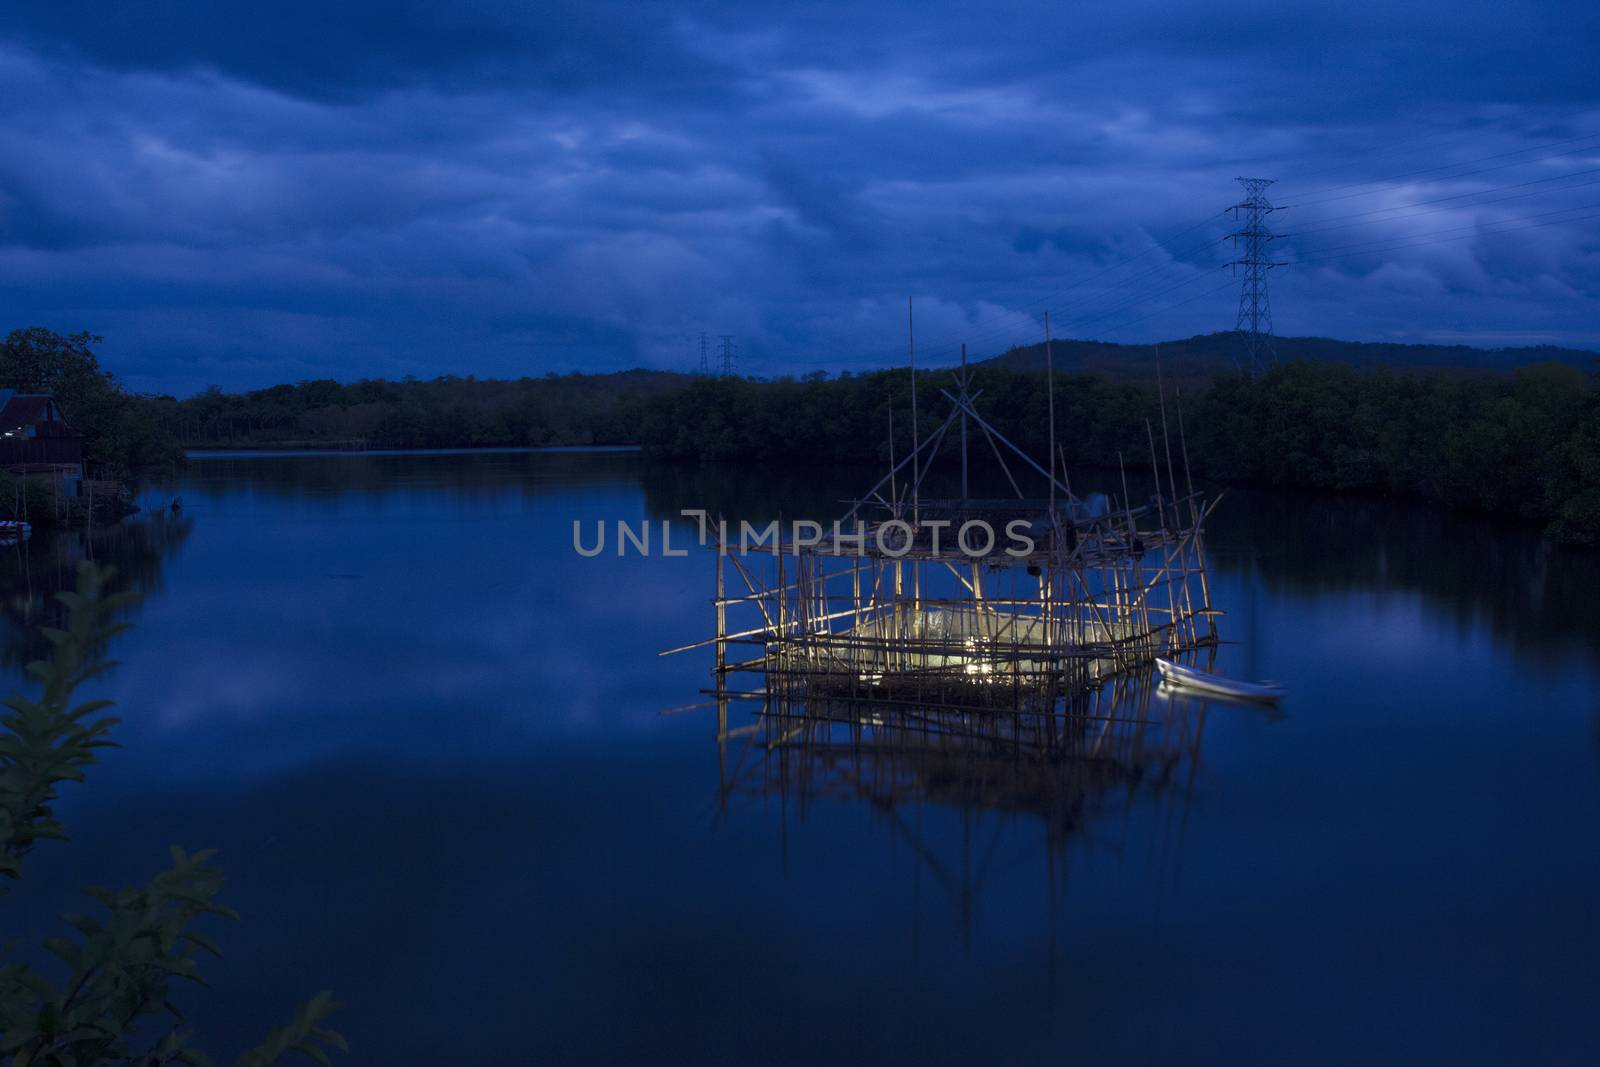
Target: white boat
{"x":1188,"y":678}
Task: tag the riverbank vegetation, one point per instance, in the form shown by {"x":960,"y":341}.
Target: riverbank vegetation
{"x":124,"y":440}
{"x":1527,"y":445}
{"x":448,"y":412}
{"x":1524,"y":444}
{"x":124,"y":436}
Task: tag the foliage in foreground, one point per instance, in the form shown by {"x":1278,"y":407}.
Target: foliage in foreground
{"x":113,"y":1004}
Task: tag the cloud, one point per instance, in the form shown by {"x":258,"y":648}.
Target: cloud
{"x":246,"y":196}
{"x":351,"y":49}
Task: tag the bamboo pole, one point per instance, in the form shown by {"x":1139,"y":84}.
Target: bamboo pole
{"x":911,"y":348}
{"x":965,"y":495}
{"x":1050,"y":396}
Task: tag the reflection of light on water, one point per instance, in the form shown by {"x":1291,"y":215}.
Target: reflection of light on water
{"x":1107,"y":771}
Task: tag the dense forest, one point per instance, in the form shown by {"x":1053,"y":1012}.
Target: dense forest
{"x":1524,"y":444}
{"x":448,"y":412}
{"x":1527,"y":445}
{"x":590,"y":409}
{"x":1198,"y":359}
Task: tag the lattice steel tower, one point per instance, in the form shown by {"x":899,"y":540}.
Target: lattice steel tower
{"x":727,"y":355}
{"x":1255,"y":310}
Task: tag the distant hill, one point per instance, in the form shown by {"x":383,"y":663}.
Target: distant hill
{"x":1203,"y":356}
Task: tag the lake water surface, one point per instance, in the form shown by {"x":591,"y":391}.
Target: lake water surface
{"x":426,"y":737}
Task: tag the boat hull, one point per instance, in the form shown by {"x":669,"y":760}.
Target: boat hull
{"x":1189,"y":678}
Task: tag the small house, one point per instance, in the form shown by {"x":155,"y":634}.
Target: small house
{"x":36,"y":441}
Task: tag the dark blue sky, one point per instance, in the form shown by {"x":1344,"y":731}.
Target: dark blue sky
{"x":257,"y":193}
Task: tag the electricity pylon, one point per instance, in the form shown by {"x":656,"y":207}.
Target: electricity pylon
{"x":1254,"y":320}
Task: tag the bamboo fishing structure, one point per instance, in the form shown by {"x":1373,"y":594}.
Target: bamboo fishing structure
{"x":963,"y":610}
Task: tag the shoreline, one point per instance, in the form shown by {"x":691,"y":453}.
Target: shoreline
{"x":288,"y":450}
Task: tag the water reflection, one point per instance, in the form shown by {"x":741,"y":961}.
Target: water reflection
{"x":1537,"y":596}
{"x":472,"y":476}
{"x":362,"y":673}
{"x":33,"y":571}
{"x":1027,"y":786}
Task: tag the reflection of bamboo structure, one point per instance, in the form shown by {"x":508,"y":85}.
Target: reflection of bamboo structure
{"x":1047,"y":599}
{"x":1063,"y":768}
{"x":1111,"y":748}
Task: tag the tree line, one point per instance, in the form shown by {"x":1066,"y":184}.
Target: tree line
{"x":445,"y":412}
{"x":1526,"y":445}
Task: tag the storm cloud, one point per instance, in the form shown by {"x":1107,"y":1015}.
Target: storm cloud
{"x":273,"y":192}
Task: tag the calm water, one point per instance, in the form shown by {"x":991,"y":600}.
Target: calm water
{"x":427,"y":739}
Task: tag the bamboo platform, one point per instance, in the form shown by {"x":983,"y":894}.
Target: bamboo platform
{"x":1065,"y":593}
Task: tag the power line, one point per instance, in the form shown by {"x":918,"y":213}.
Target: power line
{"x":1330,"y":257}
{"x":1381,"y":247}
{"x":1475,"y":227}
{"x":1267,"y":310}
{"x":1341,"y":252}
{"x":1160,"y":244}
{"x":1449,"y":166}
{"x":1323,"y":229}
{"x":1327,"y":224}
{"x":1146,"y":295}
{"x":1344,"y":253}
{"x":1463,"y":196}
{"x":1437,"y":210}
{"x":1449,"y":177}
{"x":1262,"y":310}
